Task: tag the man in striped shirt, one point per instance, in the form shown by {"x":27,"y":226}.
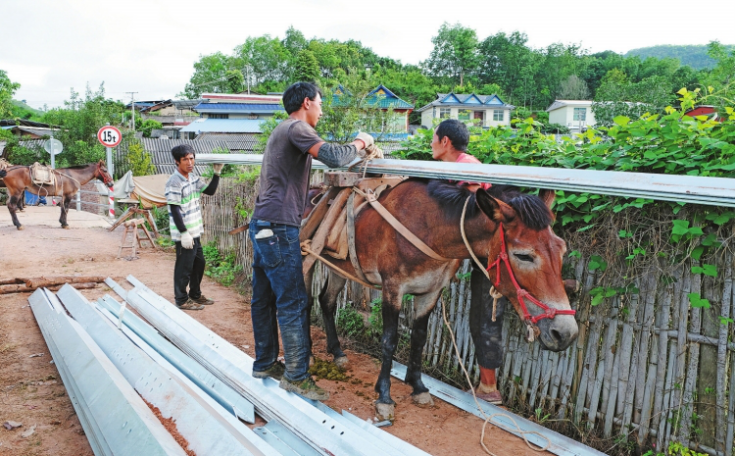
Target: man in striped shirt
{"x":183,"y":190}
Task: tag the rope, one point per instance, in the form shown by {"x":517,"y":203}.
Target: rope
{"x":306,"y":250}
{"x":491,"y":418}
{"x":495,"y":294}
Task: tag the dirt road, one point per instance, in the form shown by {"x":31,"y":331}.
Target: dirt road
{"x":31,"y":391}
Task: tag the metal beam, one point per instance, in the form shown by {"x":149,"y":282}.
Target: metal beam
{"x":714,"y":191}
{"x":323,"y":433}
{"x":536,"y":434}
{"x":229,"y":399}
{"x":204,"y":432}
{"x":121,"y":422}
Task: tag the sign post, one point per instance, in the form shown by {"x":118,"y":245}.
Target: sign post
{"x":110,"y":137}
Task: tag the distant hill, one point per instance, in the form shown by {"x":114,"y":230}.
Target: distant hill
{"x":693,"y":55}
{"x":22,"y":110}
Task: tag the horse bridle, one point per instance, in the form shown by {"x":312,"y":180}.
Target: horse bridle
{"x":104,"y":175}
{"x":522,"y":294}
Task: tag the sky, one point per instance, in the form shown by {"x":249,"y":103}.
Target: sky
{"x":150,"y":46}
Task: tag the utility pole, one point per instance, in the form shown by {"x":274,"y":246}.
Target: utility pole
{"x":132,"y":108}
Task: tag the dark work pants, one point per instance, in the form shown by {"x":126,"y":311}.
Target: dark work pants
{"x":188,"y":271}
{"x":486,"y":333}
{"x":279,"y":296}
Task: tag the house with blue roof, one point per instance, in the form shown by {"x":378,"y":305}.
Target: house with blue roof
{"x":237,"y":113}
{"x":380,"y":98}
{"x":481,"y":110}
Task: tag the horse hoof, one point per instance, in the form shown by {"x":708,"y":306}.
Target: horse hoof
{"x":342,"y":362}
{"x":66,"y":227}
{"x":422,"y":399}
{"x":385,"y":412}
{"x":20,"y":228}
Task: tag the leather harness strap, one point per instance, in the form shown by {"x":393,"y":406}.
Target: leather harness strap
{"x":401,"y":229}
{"x":351,"y":239}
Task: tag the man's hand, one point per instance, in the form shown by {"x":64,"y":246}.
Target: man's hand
{"x":217,"y":168}
{"x":366,"y":138}
{"x":187,"y":241}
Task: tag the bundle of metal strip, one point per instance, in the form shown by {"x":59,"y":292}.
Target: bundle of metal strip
{"x":278,"y":436}
{"x":113,"y":416}
{"x":325,"y":434}
{"x":204,"y":432}
{"x":230,"y":400}
{"x":558,"y":443}
{"x":714,"y":191}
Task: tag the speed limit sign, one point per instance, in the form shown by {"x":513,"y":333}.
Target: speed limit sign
{"x":109,"y":136}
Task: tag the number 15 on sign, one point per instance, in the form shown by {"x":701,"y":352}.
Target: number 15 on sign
{"x":109,"y":136}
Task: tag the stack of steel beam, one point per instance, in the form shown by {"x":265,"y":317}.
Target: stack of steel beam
{"x":324,"y":431}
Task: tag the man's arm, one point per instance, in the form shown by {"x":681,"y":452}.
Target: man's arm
{"x":334,"y":155}
{"x":212,"y":186}
{"x":177,"y":218}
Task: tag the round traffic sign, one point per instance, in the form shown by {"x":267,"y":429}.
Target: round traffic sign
{"x":53,"y":146}
{"x":109,"y":136}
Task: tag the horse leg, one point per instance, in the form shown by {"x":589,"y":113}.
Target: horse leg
{"x":420,"y":394}
{"x":12,"y":206}
{"x":390,"y":312}
{"x":64,"y":211}
{"x":328,"y":304}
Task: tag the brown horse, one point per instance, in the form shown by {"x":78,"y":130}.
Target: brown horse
{"x":509,"y":229}
{"x":68,"y":181}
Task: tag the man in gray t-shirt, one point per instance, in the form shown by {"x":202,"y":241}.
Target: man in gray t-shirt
{"x":279,"y":293}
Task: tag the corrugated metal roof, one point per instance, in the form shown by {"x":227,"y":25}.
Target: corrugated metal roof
{"x":238,"y":107}
{"x":224,"y":126}
{"x":160,"y":151}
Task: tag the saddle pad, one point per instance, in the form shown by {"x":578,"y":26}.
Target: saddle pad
{"x":42,"y":174}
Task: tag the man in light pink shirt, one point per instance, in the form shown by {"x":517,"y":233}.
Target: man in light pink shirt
{"x":449,"y":143}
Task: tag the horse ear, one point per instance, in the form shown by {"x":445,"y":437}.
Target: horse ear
{"x":548,"y":196}
{"x":495,"y":209}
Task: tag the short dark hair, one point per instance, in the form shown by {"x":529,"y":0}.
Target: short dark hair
{"x":456,"y":131}
{"x":295,"y":94}
{"x":181,"y":151}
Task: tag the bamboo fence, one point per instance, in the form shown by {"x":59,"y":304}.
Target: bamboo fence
{"x":647,"y":366}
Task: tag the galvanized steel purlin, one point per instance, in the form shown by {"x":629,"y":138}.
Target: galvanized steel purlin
{"x":223,"y":394}
{"x":232,"y":366}
{"x":558,"y":443}
{"x":156,"y":385}
{"x":103,"y":394}
{"x":713,"y":191}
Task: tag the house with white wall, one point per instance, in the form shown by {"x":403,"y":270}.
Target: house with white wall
{"x":577,"y":115}
{"x":481,"y":110}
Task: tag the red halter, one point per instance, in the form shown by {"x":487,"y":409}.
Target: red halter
{"x":102,"y":174}
{"x":521,"y":294}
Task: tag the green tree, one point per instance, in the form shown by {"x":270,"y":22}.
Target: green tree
{"x":146,"y":126}
{"x":7,"y":90}
{"x":212,"y":73}
{"x":140,"y":160}
{"x":455,"y":53}
{"x":573,"y":88}
{"x":262,"y":59}
{"x":306,"y":67}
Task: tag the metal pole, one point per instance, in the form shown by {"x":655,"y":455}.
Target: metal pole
{"x":53,"y":150}
{"x":79,"y":200}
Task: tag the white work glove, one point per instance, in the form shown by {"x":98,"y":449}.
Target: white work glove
{"x":217,"y":168}
{"x":366,"y":138}
{"x":187,"y":241}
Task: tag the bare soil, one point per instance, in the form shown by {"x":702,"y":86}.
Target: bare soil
{"x":31,"y":390}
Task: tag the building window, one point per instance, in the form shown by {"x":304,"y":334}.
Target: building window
{"x":463,"y":114}
{"x":218,"y":116}
{"x":498,"y":115}
{"x":444,"y":113}
{"x":579,"y":114}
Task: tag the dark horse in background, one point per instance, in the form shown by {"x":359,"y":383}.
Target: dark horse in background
{"x":68,"y":180}
{"x":501,"y":224}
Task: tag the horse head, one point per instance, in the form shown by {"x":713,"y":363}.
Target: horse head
{"x":525,"y":265}
{"x":102,"y":174}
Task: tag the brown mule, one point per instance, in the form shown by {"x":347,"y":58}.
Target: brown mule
{"x":68,"y":181}
{"x":431,"y":210}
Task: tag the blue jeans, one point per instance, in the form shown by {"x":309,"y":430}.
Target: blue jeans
{"x":279,"y":294}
